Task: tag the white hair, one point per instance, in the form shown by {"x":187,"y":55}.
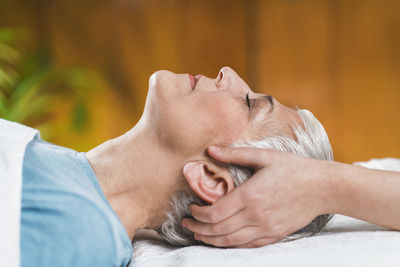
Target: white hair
{"x":309,"y":141}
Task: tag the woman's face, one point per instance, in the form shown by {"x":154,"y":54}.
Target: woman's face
{"x":190,"y":113}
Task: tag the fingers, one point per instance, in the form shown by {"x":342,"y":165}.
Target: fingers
{"x":230,"y":225}
{"x":254,"y":157}
{"x":224,"y":208}
{"x":243,"y":236}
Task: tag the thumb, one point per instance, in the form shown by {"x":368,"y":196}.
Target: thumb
{"x":246,"y":156}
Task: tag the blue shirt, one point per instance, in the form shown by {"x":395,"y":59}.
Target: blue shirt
{"x":66,"y":219}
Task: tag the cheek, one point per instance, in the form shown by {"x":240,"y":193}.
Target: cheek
{"x":217,"y":120}
{"x":229,"y":120}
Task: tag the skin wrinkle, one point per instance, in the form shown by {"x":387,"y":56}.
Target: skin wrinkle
{"x":272,"y":127}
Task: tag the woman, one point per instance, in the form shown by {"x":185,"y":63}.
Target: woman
{"x":83,"y":209}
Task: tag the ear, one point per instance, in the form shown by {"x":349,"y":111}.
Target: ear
{"x":208,"y":180}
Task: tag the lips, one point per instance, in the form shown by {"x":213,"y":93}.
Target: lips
{"x":194,"y":80}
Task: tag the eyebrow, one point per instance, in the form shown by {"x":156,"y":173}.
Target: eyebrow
{"x":270,"y":99}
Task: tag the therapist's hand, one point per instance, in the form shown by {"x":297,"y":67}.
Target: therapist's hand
{"x":285,"y":194}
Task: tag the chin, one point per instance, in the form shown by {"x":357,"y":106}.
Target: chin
{"x":159,"y":92}
{"x":156,"y":79}
{"x":162,"y":81}
{"x":167,"y":85}
{"x":166,"y":109}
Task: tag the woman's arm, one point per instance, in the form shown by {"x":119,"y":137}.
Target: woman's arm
{"x":287,"y":192}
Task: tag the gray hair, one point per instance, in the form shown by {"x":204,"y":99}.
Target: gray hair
{"x":310,"y":141}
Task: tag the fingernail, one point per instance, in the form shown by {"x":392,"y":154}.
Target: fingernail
{"x":215,"y":148}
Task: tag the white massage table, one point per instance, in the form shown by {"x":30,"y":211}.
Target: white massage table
{"x":345,"y":242}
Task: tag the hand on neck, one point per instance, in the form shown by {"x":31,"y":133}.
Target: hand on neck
{"x":137,"y":175}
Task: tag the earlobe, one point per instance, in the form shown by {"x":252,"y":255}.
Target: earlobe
{"x":209,"y":181}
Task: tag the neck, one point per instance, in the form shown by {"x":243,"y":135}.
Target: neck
{"x":137,"y":176}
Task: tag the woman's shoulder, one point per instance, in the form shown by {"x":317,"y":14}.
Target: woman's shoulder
{"x":65,"y":220}
{"x":72,"y":232}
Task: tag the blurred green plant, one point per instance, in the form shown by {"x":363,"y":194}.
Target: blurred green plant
{"x":31,"y":85}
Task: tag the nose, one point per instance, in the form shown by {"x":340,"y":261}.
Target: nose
{"x":220,"y":77}
{"x":225,"y":77}
{"x":228,"y":79}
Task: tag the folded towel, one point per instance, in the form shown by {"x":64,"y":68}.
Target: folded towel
{"x":345,"y":242}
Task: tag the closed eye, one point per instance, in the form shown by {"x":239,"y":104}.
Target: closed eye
{"x":248,"y":100}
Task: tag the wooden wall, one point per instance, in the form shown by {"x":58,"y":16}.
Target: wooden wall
{"x":338,"y":58}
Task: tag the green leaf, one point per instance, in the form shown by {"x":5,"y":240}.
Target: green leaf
{"x":31,"y":83}
{"x":6,"y":79}
{"x":9,"y":54}
{"x":9,"y":35}
{"x":28,"y":83}
{"x":80,"y":116}
{"x":3,"y":105}
{"x":34,"y":109}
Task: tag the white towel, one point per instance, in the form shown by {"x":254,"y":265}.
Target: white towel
{"x":13,"y":140}
{"x":346,"y":242}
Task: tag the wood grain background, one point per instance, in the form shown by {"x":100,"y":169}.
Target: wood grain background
{"x":339,"y":59}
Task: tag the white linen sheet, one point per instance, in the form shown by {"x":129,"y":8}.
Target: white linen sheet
{"x":345,"y":242}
